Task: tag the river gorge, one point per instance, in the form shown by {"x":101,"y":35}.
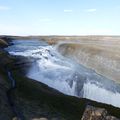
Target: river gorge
{"x":54,"y":68}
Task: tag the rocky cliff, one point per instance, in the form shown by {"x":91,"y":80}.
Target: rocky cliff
{"x":103,"y":57}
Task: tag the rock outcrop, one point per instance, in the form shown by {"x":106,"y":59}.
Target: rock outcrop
{"x":6,"y":112}
{"x":3,"y":43}
{"x":94,"y":113}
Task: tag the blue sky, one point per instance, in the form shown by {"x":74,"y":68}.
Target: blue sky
{"x":60,"y":17}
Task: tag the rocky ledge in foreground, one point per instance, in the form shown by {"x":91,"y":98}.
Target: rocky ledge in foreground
{"x":32,"y":100}
{"x":94,"y":113}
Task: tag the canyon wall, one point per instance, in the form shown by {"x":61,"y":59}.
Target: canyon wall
{"x":103,"y":56}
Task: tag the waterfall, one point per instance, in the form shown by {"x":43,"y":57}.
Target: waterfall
{"x":65,"y":75}
{"x":94,"y":92}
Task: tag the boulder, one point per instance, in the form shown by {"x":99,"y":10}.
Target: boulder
{"x":94,"y":113}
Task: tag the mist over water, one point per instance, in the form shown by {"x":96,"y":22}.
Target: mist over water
{"x":65,"y":75}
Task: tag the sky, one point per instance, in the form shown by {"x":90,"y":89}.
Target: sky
{"x":60,"y":17}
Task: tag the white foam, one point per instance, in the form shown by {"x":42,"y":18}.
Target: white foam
{"x":53,"y":69}
{"x":55,"y":78}
{"x":94,"y":92}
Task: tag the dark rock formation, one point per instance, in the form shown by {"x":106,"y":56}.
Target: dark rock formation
{"x":3,"y":43}
{"x":94,"y":113}
{"x":6,"y":112}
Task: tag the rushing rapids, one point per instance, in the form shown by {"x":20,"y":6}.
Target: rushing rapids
{"x":63,"y":74}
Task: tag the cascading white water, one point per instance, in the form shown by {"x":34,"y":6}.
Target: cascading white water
{"x":52,"y":69}
{"x":65,"y":75}
{"x":94,"y":92}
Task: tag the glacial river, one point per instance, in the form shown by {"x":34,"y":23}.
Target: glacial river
{"x":65,"y":75}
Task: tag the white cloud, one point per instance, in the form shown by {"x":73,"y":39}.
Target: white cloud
{"x":4,"y":8}
{"x":91,"y":10}
{"x":68,"y":11}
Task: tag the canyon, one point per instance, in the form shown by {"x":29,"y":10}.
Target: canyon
{"x":64,"y":70}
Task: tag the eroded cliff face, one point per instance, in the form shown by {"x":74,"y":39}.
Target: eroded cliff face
{"x":102,"y":56}
{"x":6,"y":112}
